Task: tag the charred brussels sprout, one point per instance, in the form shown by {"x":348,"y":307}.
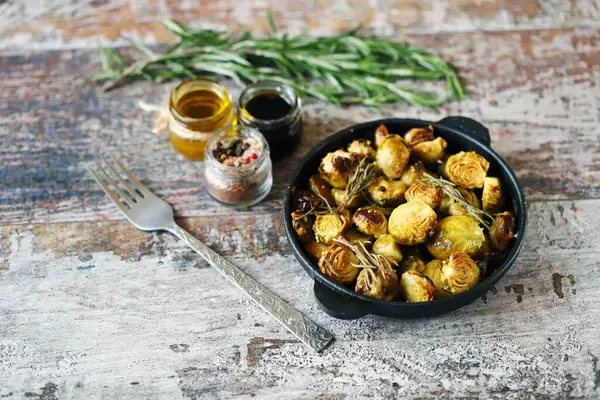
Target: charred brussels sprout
{"x":370,"y":221}
{"x":459,"y":273}
{"x":319,"y":186}
{"x":380,"y":133}
{"x":392,"y":156}
{"x":315,"y":249}
{"x":412,"y":223}
{"x":423,"y":192}
{"x":414,"y":173}
{"x":386,"y":246}
{"x":329,"y":226}
{"x":336,"y":168}
{"x":449,"y":206}
{"x":429,"y":152}
{"x":412,"y":262}
{"x":456,"y":233}
{"x":385,"y":192}
{"x":416,"y":288}
{"x":338,"y":196}
{"x":502,"y":230}
{"x":363,"y":148}
{"x":492,"y":197}
{"x":418,"y":135}
{"x":339,"y":263}
{"x":433,"y":270}
{"x":302,"y":225}
{"x":379,"y":283}
{"x":466,"y":169}
{"x":355,"y":237}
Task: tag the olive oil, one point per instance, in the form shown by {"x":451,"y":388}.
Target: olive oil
{"x":200,"y":104}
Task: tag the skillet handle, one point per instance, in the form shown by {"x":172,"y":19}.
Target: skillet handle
{"x":468,"y":126}
{"x":337,"y":305}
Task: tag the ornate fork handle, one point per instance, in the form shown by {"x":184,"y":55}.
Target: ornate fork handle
{"x":303,"y":328}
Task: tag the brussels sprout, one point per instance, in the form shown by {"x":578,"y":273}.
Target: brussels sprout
{"x":412,"y":223}
{"x":416,"y":288}
{"x":412,"y":262}
{"x":459,"y":273}
{"x":315,"y":249}
{"x":380,"y":133}
{"x":492,"y":197}
{"x":318,"y":186}
{"x":392,"y":156}
{"x":355,"y":237}
{"x":385,"y":192}
{"x":386,"y":246}
{"x":429,"y":152}
{"x":370,"y":221}
{"x":363,"y":148}
{"x":415,"y":173}
{"x":339,"y":263}
{"x":456,"y":233}
{"x":338,"y":196}
{"x":336,"y":168}
{"x":450,"y":207}
{"x":502,"y":230}
{"x":423,"y":192}
{"x":418,"y":135}
{"x":329,"y":226}
{"x":433,"y":270}
{"x":380,"y":283}
{"x":302,"y":225}
{"x":466,"y":169}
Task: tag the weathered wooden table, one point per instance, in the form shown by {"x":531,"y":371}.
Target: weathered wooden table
{"x":90,"y":307}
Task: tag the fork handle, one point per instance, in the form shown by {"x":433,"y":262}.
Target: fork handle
{"x":303,"y":328}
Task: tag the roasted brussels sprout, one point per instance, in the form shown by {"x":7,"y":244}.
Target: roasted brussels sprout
{"x":380,"y":283}
{"x":423,"y":192}
{"x":302,"y":225}
{"x":492,"y":197}
{"x":354,"y":201}
{"x":418,"y":135}
{"x":363,"y":148}
{"x":370,"y":221}
{"x":355,"y":237}
{"x":315,"y":249}
{"x":414,"y":173}
{"x":502,"y":230}
{"x":318,"y":186}
{"x":456,"y":233}
{"x":412,"y":223}
{"x":459,"y":273}
{"x":451,"y":207}
{"x":339,"y":263}
{"x":336,"y":168}
{"x":392,"y":156}
{"x":433,"y":270}
{"x":329,"y":226}
{"x":416,"y":288}
{"x":412,"y":262}
{"x":385,"y":192}
{"x":429,"y":152}
{"x":386,"y":246}
{"x":466,"y":169}
{"x":380,"y":133}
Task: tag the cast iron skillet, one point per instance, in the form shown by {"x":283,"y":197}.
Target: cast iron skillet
{"x":461,"y":134}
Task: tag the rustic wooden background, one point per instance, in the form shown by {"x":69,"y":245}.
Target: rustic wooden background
{"x":92,"y":308}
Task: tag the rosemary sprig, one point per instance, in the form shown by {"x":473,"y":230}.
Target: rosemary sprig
{"x":451,"y":190}
{"x":343,"y":70}
{"x":360,"y":179}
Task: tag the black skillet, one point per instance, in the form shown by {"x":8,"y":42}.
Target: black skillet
{"x":462,"y":134}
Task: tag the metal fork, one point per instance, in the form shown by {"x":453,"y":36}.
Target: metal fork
{"x":149,"y":213}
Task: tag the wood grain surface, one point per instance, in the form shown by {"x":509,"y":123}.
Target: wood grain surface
{"x":92,"y":308}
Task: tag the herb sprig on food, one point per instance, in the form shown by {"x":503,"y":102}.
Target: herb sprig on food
{"x":343,"y":70}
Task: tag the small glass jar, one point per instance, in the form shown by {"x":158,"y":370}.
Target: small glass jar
{"x":198,"y":108}
{"x":243,"y":184}
{"x":281,"y":126}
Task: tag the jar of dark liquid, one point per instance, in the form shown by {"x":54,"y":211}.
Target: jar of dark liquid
{"x":274,"y":109}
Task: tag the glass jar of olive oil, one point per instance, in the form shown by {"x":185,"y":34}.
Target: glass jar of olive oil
{"x":198,"y":108}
